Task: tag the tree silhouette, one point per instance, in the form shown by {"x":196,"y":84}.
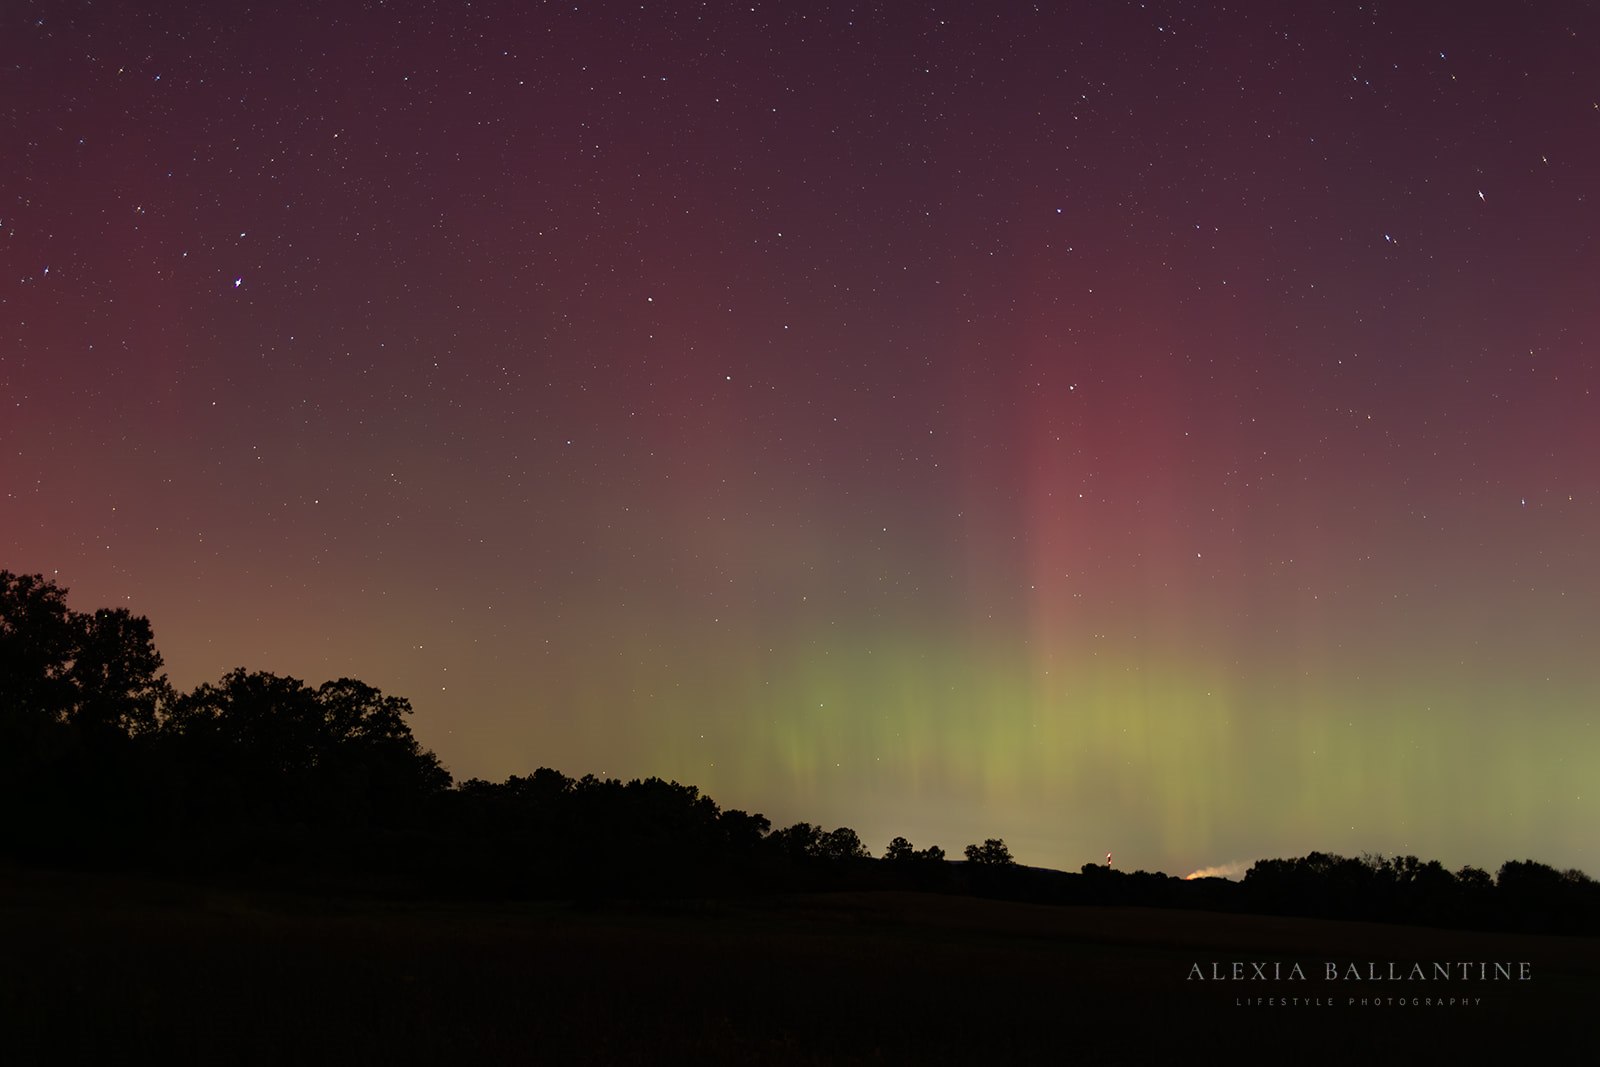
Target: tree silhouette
{"x":117,"y":674}
{"x":803,"y":841}
{"x":269,"y":748}
{"x":901,"y":851}
{"x":992,"y":853}
{"x":798,"y":842}
{"x":37,"y":647}
{"x":80,"y":694}
{"x":842,"y":844}
{"x":743,"y":831}
{"x":98,"y":672}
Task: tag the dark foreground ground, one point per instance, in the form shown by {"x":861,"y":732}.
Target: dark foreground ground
{"x":109,"y":970}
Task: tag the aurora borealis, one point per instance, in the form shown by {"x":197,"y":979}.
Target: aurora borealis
{"x":1160,"y":428}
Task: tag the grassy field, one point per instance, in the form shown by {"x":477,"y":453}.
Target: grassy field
{"x":107,"y":970}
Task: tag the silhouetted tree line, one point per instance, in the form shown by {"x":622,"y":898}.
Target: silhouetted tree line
{"x":103,"y":762}
{"x":101,"y":759}
{"x":1524,"y":894}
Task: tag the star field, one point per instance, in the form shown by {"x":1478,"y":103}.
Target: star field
{"x":1152,"y":427}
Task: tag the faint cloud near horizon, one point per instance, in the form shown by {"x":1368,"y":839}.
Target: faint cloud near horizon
{"x":1222,"y":870}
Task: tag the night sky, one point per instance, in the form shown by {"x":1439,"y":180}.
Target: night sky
{"x":1168,"y":429}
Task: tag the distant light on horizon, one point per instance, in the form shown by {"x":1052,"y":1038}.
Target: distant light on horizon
{"x":1231,"y":871}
